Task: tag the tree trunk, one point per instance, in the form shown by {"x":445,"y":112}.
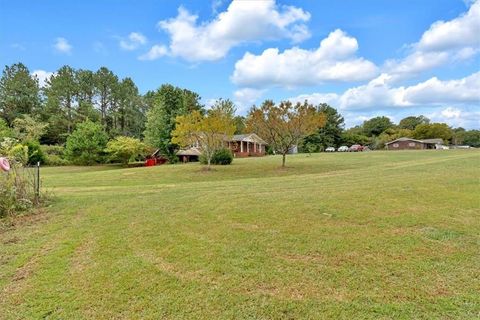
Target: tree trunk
{"x":284,"y":156}
{"x":208,"y":163}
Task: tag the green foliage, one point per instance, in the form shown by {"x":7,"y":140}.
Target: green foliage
{"x":168,"y":102}
{"x":209,"y":131}
{"x":35,"y":153}
{"x":286,"y":125}
{"x":376,"y":126}
{"x":330,"y":135}
{"x":222,"y":156}
{"x":16,"y":191}
{"x":54,"y":155}
{"x":19,"y":93}
{"x":412,"y":122}
{"x":125,"y":149}
{"x":472,"y":138}
{"x":86,"y":144}
{"x":433,"y":131}
{"x":240,"y":125}
{"x":27,"y":128}
{"x":13,"y":150}
{"x":349,"y":138}
{"x":16,"y":186}
{"x":5,"y":131}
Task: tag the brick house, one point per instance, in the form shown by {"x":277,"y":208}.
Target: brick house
{"x":413,"y":144}
{"x":241,"y":145}
{"x":247,"y":145}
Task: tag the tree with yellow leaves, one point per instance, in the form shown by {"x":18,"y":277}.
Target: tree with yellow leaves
{"x":284,"y":126}
{"x":209,"y":132}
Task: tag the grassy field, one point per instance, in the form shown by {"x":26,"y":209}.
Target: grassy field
{"x":379,"y":235}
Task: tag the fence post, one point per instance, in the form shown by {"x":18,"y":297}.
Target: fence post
{"x":37,"y":184}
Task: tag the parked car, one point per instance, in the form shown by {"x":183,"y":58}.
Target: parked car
{"x":355,"y":148}
{"x":343,"y":149}
{"x":330,"y":149}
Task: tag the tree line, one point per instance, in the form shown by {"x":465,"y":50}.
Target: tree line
{"x":76,"y":114}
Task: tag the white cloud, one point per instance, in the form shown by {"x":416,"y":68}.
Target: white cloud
{"x":154,"y":53}
{"x":435,"y":91}
{"x":133,"y":41}
{"x":460,"y":32}
{"x":457,"y":117}
{"x":243,"y":21}
{"x":42,"y":76}
{"x":333,"y":60}
{"x":61,"y":45}
{"x":443,"y":42}
{"x":379,"y":93}
{"x":246,"y":97}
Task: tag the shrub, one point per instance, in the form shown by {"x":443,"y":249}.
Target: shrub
{"x":55,"y":155}
{"x":86,"y":145}
{"x":125,"y":149}
{"x":35,"y":153}
{"x":16,"y":186}
{"x":220,"y":157}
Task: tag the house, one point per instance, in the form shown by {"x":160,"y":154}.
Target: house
{"x":247,"y":145}
{"x":413,"y":144}
{"x":241,"y":145}
{"x":189,"y":155}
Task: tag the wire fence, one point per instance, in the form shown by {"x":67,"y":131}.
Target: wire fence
{"x":19,"y":188}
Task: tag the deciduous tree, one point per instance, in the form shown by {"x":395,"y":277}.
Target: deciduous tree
{"x":285,"y":125}
{"x":433,"y":131}
{"x":125,"y":149}
{"x":209,"y":132}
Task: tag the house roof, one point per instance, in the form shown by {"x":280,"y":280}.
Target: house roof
{"x":436,"y":141}
{"x":193,"y":151}
{"x":249,"y":137}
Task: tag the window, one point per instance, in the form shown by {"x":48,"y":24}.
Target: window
{"x":395,"y":145}
{"x":411,"y":144}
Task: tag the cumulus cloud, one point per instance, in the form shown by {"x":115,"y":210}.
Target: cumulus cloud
{"x":243,"y":21}
{"x":246,"y":97}
{"x":61,"y":45}
{"x":457,"y":117}
{"x":154,"y":53}
{"x":133,"y":41}
{"x":443,"y":42}
{"x":333,"y":60}
{"x":379,"y":93}
{"x":42,"y":76}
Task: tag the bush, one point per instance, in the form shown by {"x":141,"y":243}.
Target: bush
{"x":55,"y":155}
{"x":126,"y":149}
{"x":220,"y":157}
{"x":86,"y":145}
{"x":16,"y":186}
{"x":35,"y":153}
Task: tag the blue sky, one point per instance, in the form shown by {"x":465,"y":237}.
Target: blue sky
{"x":365,"y":58}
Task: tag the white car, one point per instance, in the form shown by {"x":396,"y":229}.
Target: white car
{"x":330,"y":149}
{"x":343,"y":149}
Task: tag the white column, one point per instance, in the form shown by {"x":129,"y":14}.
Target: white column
{"x":248,"y":147}
{"x":241,"y":146}
{"x":255,"y":147}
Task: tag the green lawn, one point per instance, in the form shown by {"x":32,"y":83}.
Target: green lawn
{"x":378,"y":235}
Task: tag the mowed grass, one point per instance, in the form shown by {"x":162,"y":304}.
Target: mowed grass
{"x":379,"y":235}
